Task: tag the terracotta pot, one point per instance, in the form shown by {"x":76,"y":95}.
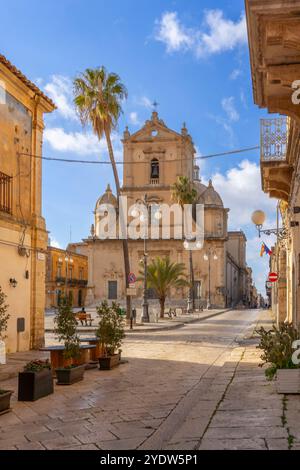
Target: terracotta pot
{"x":5,"y":401}
{"x":70,"y":376}
{"x":288,"y":381}
{"x":35,"y":385}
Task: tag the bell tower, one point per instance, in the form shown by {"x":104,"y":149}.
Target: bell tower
{"x":154,"y":157}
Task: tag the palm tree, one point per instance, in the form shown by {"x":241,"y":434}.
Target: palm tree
{"x":183,"y":193}
{"x":161,"y":276}
{"x":98,"y":98}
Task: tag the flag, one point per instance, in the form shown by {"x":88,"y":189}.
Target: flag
{"x":264,"y":249}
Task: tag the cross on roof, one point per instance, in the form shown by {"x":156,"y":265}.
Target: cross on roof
{"x":155,"y":104}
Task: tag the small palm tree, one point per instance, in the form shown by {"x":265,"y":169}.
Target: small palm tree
{"x":183,"y":192}
{"x":98,"y":99}
{"x":161,"y":276}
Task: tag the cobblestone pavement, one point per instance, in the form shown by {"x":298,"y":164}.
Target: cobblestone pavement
{"x":195,"y":387}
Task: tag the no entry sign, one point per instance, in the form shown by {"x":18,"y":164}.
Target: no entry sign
{"x":131,"y":278}
{"x":273,"y":277}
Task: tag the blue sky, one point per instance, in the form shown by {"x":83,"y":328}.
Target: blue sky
{"x":190,"y":56}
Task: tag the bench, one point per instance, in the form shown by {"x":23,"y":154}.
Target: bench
{"x":57,"y":355}
{"x":84,"y":318}
{"x":97,"y":351}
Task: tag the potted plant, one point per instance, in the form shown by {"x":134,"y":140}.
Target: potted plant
{"x":110,"y":332}
{"x":65,"y":330}
{"x":5,"y":395}
{"x":277,"y":346}
{"x":35,"y":381}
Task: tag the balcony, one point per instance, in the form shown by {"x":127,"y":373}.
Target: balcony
{"x":276,"y":170}
{"x":274,"y":139}
{"x":6,"y":190}
{"x":154,"y":181}
{"x":71,"y":282}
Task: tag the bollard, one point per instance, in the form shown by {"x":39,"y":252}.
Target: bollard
{"x":132,"y":317}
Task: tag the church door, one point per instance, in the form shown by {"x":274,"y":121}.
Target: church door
{"x":112,"y":290}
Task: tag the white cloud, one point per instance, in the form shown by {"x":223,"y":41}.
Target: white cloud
{"x":172,"y":33}
{"x":81,"y":143}
{"x":218,"y":34}
{"x":229,"y":108}
{"x":240,"y":189}
{"x":134,"y":118}
{"x":235,"y":74}
{"x":54,"y":243}
{"x":59,"y":89}
{"x":223,"y":34}
{"x":145,"y":102}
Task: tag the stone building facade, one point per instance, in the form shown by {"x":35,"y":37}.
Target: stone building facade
{"x":154,"y":157}
{"x":23,"y":235}
{"x":274,"y":38}
{"x":66,"y":275}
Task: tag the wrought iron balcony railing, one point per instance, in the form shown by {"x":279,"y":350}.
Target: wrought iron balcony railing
{"x":5,"y":193}
{"x":274,"y":135}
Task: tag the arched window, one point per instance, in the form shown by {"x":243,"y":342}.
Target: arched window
{"x":154,"y":169}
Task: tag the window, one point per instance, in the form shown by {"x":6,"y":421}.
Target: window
{"x":154,"y":169}
{"x":112,"y":290}
{"x":70,"y":273}
{"x":5,"y":193}
{"x":58,"y":270}
{"x":81,"y":274}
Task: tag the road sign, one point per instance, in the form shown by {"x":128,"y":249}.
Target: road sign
{"x":131,"y":292}
{"x":269,"y":284}
{"x":273,"y":277}
{"x":131,"y":278}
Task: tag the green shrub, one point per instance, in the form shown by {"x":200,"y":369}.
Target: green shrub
{"x":110,"y":329}
{"x":65,"y":329}
{"x":37,"y":365}
{"x":276,"y":345}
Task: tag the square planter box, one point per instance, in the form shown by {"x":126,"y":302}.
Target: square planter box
{"x":288,"y":381}
{"x":107,"y":363}
{"x":5,"y":401}
{"x":70,"y":376}
{"x":35,"y":385}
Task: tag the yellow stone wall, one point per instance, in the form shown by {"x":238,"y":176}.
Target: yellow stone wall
{"x":57,"y":265}
{"x":23,"y":236}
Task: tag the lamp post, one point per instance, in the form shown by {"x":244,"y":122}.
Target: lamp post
{"x":145,"y":306}
{"x":68,"y":260}
{"x":191,"y":295}
{"x":207,"y":257}
{"x":259,"y":217}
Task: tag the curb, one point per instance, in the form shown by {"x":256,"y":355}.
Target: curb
{"x":177,"y":325}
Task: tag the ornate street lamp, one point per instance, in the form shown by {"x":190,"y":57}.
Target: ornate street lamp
{"x":191,"y":295}
{"x":145,"y":306}
{"x":259,"y":217}
{"x":207,"y":257}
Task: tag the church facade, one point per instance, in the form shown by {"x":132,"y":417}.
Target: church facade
{"x":154,"y":157}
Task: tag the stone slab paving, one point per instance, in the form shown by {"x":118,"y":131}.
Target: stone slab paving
{"x":16,"y":361}
{"x":195,"y":387}
{"x":249,"y":415}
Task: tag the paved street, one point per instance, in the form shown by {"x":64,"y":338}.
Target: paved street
{"x":197,"y":387}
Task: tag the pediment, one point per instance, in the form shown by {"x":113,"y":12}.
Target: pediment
{"x":154,"y":129}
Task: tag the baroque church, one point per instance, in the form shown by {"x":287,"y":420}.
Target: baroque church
{"x":154,"y":157}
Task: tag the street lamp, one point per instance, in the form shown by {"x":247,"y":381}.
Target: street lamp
{"x":259,"y":217}
{"x":191,"y":296}
{"x":68,"y":260}
{"x":207,"y":257}
{"x":145,"y":306}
